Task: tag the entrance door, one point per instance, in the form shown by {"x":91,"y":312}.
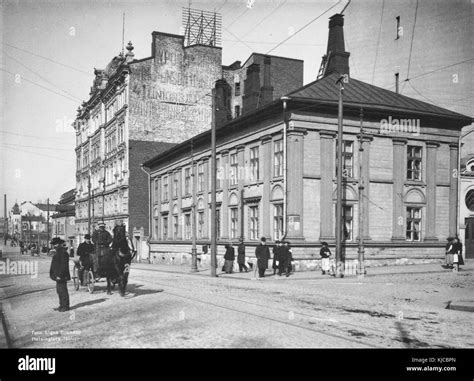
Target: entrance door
{"x":469,"y":238}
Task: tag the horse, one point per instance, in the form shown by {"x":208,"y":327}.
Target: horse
{"x":117,"y":261}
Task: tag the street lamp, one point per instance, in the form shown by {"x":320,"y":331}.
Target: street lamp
{"x":361,"y":251}
{"x":339,"y":256}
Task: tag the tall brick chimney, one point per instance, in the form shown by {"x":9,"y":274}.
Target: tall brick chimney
{"x":250,"y":99}
{"x":267,"y":88}
{"x":223,"y":95}
{"x":338,"y":58}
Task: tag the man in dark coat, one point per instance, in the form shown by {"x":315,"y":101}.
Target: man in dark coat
{"x":276,"y":256}
{"x":85,"y":252}
{"x":241,"y":257}
{"x":59,"y":272}
{"x":262,"y":252}
{"x":102,"y":240}
{"x":284,"y":259}
{"x":229,"y":258}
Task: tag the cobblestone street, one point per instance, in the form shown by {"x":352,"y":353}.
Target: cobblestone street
{"x":169,"y":307}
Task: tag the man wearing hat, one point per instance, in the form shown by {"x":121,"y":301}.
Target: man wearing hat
{"x":263,"y":255}
{"x":59,"y":272}
{"x":85,"y":252}
{"x":241,"y":256}
{"x":102,"y":240}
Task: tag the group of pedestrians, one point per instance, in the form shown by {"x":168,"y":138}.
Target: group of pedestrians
{"x":454,"y":254}
{"x":282,"y":258}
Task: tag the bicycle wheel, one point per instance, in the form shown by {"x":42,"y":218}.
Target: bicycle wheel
{"x":90,"y":281}
{"x":75,"y":278}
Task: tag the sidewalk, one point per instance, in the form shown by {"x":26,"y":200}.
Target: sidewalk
{"x":371,"y":271}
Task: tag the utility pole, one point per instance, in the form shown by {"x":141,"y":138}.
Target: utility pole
{"x":47,"y":226}
{"x":213,"y":186}
{"x":339,"y":256}
{"x":194,"y":267}
{"x":89,"y":204}
{"x":361,"y":251}
{"x":5,"y":224}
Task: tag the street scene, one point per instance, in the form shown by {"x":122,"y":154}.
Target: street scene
{"x":237,"y":174}
{"x":413,"y":306}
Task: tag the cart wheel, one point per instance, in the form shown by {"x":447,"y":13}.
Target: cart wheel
{"x":90,"y":282}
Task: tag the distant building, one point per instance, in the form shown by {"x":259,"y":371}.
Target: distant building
{"x":63,"y":220}
{"x":410,"y":150}
{"x":34,"y":217}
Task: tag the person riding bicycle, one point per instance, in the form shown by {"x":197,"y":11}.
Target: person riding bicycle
{"x":85,"y":252}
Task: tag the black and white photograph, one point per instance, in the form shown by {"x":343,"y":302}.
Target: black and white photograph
{"x":247,"y":175}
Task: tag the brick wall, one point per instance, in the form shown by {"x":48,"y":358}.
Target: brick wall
{"x":138,"y":202}
{"x":168,"y":92}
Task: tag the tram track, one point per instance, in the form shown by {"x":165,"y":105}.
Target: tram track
{"x":378,"y":334}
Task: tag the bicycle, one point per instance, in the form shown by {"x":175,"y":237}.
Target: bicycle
{"x":89,"y":279}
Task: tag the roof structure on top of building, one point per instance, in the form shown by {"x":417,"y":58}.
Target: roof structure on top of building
{"x":362,"y":94}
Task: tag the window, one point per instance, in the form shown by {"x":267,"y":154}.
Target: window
{"x":470,"y":200}
{"x":156,"y":191}
{"x":236,"y":111}
{"x":254,"y":164}
{"x":121,"y":133}
{"x":219,"y":174}
{"x":175,"y":184}
{"x":165,"y":188}
{"x":200,"y":182}
{"x":165,"y":227}
{"x":234,"y":166}
{"x":347,"y":217}
{"x":187,"y":181}
{"x":200,"y":226}
{"x":175,"y":226}
{"x":277,"y":221}
{"x":233,"y":222}
{"x":399,"y":28}
{"x":187,"y":226}
{"x":86,"y":159}
{"x":237,"y":89}
{"x":413,"y":163}
{"x":347,"y":158}
{"x":413,"y":224}
{"x":156,"y":230}
{"x":278,"y":158}
{"x":218,"y":222}
{"x":253,"y":215}
{"x":78,"y":161}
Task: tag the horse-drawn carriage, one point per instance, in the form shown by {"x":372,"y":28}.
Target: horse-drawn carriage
{"x":111,"y":262}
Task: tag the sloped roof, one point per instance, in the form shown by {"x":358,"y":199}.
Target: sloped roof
{"x":44,"y":207}
{"x":358,"y":93}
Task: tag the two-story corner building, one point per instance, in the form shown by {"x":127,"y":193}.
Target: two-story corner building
{"x":139,"y":108}
{"x":406,"y":160}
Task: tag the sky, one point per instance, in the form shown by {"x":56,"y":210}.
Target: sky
{"x":50,"y":49}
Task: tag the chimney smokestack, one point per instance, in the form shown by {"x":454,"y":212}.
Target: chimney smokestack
{"x":267,"y":88}
{"x":338,"y":58}
{"x":252,"y":88}
{"x":223,"y":95}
